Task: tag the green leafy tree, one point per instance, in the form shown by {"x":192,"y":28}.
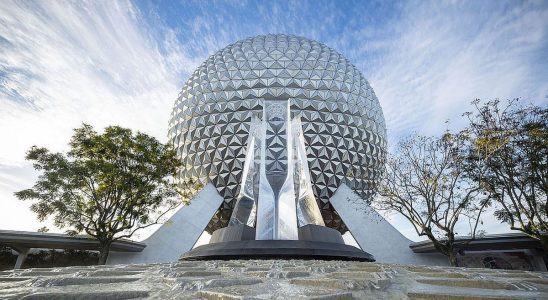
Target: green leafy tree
{"x":43,"y":229}
{"x":108,"y":185}
{"x":426,"y":182}
{"x":509,"y":154}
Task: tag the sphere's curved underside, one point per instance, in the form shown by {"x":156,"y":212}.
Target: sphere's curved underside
{"x":342,"y":120}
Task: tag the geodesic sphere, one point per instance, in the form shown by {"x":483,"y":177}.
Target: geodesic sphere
{"x":342,"y":120}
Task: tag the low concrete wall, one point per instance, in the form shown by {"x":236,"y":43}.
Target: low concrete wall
{"x":178,"y":234}
{"x":376,"y":235}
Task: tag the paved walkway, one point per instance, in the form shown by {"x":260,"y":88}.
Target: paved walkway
{"x":271,"y":279}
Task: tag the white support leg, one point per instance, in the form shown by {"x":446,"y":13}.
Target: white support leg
{"x":375,"y":235}
{"x":178,"y":234}
{"x":22,"y":255}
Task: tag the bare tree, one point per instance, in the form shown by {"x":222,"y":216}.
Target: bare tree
{"x":509,"y":155}
{"x":426,"y":182}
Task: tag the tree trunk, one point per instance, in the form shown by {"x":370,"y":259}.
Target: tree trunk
{"x":445,"y":250}
{"x":544,"y":242}
{"x":103,"y":253}
{"x":452,"y":258}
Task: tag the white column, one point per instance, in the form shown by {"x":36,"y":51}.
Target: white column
{"x":22,"y":255}
{"x":178,"y":234}
{"x":375,"y":235}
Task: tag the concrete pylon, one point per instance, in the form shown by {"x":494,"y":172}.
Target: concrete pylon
{"x":376,"y":235}
{"x":178,"y":234}
{"x":21,"y":256}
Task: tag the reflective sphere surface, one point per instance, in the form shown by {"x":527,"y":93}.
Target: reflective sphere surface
{"x":342,"y":120}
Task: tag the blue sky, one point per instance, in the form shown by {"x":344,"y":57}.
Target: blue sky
{"x":123,"y":62}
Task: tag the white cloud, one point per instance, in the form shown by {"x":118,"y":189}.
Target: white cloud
{"x":81,"y":64}
{"x":71,"y":64}
{"x":443,"y":55}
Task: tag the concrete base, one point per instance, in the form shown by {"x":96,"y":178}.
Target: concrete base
{"x":318,"y":233}
{"x":315,"y":242}
{"x":270,"y":249}
{"x":233,"y":233}
{"x":178,"y":234}
{"x":376,"y":235}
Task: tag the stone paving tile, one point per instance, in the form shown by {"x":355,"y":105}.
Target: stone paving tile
{"x":423,"y":292}
{"x":112,"y":273}
{"x":95,"y":294}
{"x":196,"y":273}
{"x":231,"y":282}
{"x":467,"y":283}
{"x":442,"y":274}
{"x":271,"y":279}
{"x":62,"y":281}
{"x":7,"y":279}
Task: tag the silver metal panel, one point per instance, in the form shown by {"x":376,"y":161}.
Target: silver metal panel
{"x":286,"y":213}
{"x":342,"y":121}
{"x":266,"y":203}
{"x":245,"y":209}
{"x":276,"y":217}
{"x":308,"y":211}
{"x":283,"y":190}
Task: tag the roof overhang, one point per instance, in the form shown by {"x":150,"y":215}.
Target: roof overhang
{"x":494,"y":242}
{"x":26,"y":239}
